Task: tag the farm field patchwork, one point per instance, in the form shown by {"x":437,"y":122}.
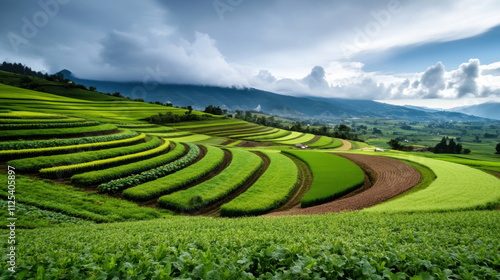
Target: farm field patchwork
{"x":124,"y":171}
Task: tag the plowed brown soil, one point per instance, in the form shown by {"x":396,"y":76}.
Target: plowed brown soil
{"x":391,"y":178}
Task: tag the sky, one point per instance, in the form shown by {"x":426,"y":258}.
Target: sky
{"x":429,"y":53}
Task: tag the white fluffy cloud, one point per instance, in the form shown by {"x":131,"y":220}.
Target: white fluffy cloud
{"x":471,"y":79}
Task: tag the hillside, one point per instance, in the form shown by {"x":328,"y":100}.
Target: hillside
{"x":326,"y":109}
{"x":485,"y":110}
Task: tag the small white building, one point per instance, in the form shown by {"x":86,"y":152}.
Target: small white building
{"x":300,"y":145}
{"x":379,"y":150}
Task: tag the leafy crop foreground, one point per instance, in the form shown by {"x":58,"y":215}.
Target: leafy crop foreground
{"x":459,"y":245}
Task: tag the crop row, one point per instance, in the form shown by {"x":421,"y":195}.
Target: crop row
{"x":271,"y":137}
{"x":322,"y":141}
{"x":37,"y":163}
{"x":75,"y":202}
{"x":69,"y":170}
{"x":56,"y":132}
{"x":29,"y":115}
{"x":25,"y":121}
{"x":16,"y":154}
{"x":253,"y":133}
{"x":108,"y":174}
{"x":302,"y":139}
{"x":335,"y":144}
{"x":36,"y":144}
{"x":227,"y":132}
{"x":333,"y":176}
{"x":153,"y":173}
{"x":13,"y":126}
{"x":291,"y":136}
{"x":179,"y":179}
{"x":243,"y":165}
{"x":271,"y":190}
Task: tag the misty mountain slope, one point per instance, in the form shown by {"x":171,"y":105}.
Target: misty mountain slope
{"x":486,"y":110}
{"x":282,"y":105}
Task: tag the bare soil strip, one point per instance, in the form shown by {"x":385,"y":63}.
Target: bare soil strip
{"x":251,"y":144}
{"x":391,"y":176}
{"x":303,"y":185}
{"x":346,"y":147}
{"x":228,"y":142}
{"x":213,"y":210}
{"x":312,"y":141}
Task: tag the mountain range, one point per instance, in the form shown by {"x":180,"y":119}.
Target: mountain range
{"x":299,"y":108}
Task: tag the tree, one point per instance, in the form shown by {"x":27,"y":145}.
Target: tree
{"x":498,"y":148}
{"x":467,"y":151}
{"x":441,"y":147}
{"x":92,"y":88}
{"x":394,"y":143}
{"x":452,"y":146}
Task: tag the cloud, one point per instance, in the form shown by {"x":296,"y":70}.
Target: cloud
{"x":432,"y":81}
{"x":465,"y":79}
{"x":316,"y":79}
{"x":435,"y":82}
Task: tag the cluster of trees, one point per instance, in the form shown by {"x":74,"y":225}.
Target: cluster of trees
{"x":341,"y":131}
{"x":215,"y":110}
{"x":449,"y":147}
{"x":19,"y":68}
{"x":395,"y":145}
{"x":169,"y":117}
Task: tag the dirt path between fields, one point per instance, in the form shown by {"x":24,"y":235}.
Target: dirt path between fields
{"x":345,"y":147}
{"x":391,"y":178}
{"x":213,"y":210}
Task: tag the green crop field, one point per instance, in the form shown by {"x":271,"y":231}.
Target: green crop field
{"x":457,"y":187}
{"x":462,"y":245}
{"x":271,"y":190}
{"x":333,"y":176}
{"x":243,"y":165}
{"x":301,"y":139}
{"x":123,"y":193}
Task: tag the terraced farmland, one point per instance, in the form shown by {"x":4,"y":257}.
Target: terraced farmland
{"x":243,"y":165}
{"x":105,"y":166}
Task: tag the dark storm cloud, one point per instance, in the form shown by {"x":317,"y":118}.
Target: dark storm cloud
{"x":226,"y":42}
